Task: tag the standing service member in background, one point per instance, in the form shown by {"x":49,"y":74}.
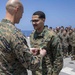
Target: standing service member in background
{"x":43,"y":38}
{"x":15,"y":54}
{"x":73,"y":46}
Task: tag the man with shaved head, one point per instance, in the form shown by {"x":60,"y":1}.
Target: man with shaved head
{"x":15,"y":55}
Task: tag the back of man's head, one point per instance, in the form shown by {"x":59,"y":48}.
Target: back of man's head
{"x":14,"y":11}
{"x":12,"y":4}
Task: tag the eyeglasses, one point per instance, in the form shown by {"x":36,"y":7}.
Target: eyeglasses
{"x":34,"y":20}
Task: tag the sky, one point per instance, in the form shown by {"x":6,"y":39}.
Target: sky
{"x":58,"y":12}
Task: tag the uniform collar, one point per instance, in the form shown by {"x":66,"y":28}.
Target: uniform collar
{"x":41,"y":34}
{"x":7,"y":21}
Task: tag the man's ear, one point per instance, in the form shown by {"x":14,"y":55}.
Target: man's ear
{"x":43,"y":19}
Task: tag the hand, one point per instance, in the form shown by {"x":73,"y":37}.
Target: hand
{"x":43,"y":52}
{"x":34,"y":51}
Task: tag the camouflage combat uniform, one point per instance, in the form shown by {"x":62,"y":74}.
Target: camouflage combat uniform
{"x":65,"y":45}
{"x":70,"y":43}
{"x":73,"y":46}
{"x":14,"y":52}
{"x":52,"y":63}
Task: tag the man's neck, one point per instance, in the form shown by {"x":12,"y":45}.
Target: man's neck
{"x":40,"y":30}
{"x":9,"y":17}
{"x":8,"y":20}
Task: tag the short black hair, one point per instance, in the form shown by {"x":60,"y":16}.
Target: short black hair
{"x":40,"y":13}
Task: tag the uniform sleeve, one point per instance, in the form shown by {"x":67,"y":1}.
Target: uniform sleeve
{"x":57,"y":54}
{"x":23,"y":54}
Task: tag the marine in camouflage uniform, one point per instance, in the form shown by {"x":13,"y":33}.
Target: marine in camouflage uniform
{"x":65,"y":39}
{"x":73,"y":46}
{"x":15,"y":56}
{"x":70,"y":34}
{"x":14,"y":52}
{"x":52,"y":63}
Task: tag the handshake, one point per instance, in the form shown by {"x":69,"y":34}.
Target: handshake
{"x":36,"y":51}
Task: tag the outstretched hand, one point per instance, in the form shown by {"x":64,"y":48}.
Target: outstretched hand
{"x":42,"y":52}
{"x":34,"y":51}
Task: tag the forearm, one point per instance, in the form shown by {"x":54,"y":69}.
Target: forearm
{"x":28,"y":60}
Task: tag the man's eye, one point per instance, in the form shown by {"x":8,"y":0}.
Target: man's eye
{"x":34,"y":20}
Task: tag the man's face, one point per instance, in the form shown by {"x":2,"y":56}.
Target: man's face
{"x":37,"y":22}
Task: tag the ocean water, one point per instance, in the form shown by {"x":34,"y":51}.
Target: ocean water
{"x":26,"y":32}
